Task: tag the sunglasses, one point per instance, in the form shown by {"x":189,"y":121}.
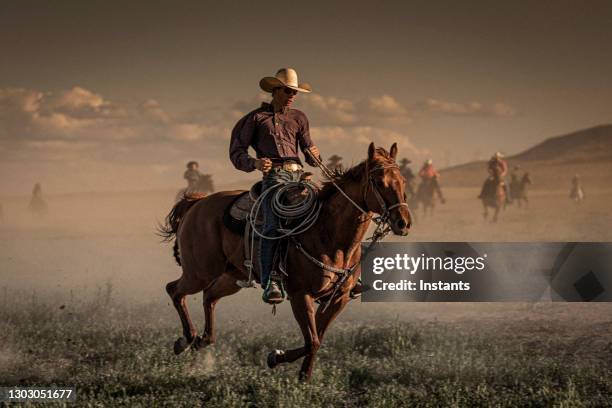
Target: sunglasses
{"x":289,"y":91}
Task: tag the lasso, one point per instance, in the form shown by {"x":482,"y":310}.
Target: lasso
{"x":306,"y":210}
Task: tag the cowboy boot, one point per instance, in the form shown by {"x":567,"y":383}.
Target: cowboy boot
{"x":273,"y":293}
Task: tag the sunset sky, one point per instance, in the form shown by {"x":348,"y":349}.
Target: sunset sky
{"x":118,"y":96}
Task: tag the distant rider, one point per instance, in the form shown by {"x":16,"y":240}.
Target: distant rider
{"x":192,"y":175}
{"x":497,"y":168}
{"x":428,"y":175}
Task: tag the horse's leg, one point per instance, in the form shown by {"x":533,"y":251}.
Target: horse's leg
{"x":303,"y":311}
{"x":224,"y":285}
{"x":323,"y":320}
{"x":178,"y":290}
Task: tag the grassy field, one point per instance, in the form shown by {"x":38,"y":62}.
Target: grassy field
{"x":82,"y":303}
{"x":118,"y":354}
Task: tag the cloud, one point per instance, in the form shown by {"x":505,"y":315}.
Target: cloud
{"x":352,"y":143}
{"x":151,"y":109}
{"x":79,"y":114}
{"x":371,"y":111}
{"x":79,"y":103}
{"x":385,"y":105}
{"x":466,"y":109}
{"x":79,"y":129}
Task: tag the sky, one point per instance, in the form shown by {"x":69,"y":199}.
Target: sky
{"x":115,"y":96}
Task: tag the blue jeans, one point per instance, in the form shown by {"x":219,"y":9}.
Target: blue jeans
{"x":268,"y":247}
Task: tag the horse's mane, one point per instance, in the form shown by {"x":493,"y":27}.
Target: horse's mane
{"x":342,"y":176}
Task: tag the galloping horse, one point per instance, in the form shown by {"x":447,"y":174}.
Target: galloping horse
{"x":518,"y":190}
{"x":426,"y":196}
{"x":494,"y":197}
{"x":212,"y":256}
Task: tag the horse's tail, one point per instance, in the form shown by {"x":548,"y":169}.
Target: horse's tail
{"x":171,"y":224}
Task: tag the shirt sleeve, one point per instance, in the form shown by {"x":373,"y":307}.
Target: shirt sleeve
{"x":305,"y":141}
{"x":242,"y":137}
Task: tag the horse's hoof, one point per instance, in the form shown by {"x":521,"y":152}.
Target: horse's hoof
{"x":181,"y":345}
{"x":200,"y":342}
{"x":272,"y":358}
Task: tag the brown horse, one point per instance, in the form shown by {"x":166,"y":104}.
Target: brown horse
{"x":494,"y":197}
{"x":212,"y":256}
{"x":426,"y":196}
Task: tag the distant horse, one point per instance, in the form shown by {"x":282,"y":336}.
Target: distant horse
{"x":212,"y":256}
{"x":204,"y":185}
{"x":494,"y":197}
{"x":518,"y":189}
{"x":426,"y":196}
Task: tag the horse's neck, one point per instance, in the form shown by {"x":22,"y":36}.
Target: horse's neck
{"x":341,"y":226}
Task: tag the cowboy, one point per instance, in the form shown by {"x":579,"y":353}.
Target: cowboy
{"x":192,"y":175}
{"x":429,"y":174}
{"x":408,"y":175}
{"x":497,"y":168}
{"x":276,"y":132}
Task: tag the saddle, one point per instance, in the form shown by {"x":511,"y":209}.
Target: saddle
{"x":235,"y":218}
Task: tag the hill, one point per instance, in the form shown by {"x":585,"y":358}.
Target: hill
{"x":553,"y":162}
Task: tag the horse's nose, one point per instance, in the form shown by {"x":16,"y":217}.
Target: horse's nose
{"x":401,"y":225}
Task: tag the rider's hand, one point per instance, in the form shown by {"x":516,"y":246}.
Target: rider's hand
{"x":314,"y":150}
{"x":264,"y":165}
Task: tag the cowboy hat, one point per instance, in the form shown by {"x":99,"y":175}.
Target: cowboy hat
{"x":285,"y":77}
{"x":499,"y":155}
{"x":428,"y":161}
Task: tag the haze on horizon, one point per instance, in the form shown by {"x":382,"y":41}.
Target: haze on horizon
{"x":109,"y":96}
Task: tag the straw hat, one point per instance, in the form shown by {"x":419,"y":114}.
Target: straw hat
{"x":498,"y":155}
{"x":285,"y":77}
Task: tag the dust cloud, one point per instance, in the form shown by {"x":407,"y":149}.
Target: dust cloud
{"x":96,"y":243}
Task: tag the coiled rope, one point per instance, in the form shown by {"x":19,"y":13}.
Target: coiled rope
{"x":306,"y":210}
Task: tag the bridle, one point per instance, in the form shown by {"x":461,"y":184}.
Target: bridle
{"x":382,"y":223}
{"x":384,"y":216}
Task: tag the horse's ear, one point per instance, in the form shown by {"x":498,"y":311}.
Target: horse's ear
{"x":393,"y":151}
{"x":371,"y":151}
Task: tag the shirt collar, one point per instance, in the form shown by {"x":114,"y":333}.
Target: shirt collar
{"x":268,"y":106}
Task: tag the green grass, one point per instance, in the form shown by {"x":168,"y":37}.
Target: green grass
{"x":122,"y":355}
